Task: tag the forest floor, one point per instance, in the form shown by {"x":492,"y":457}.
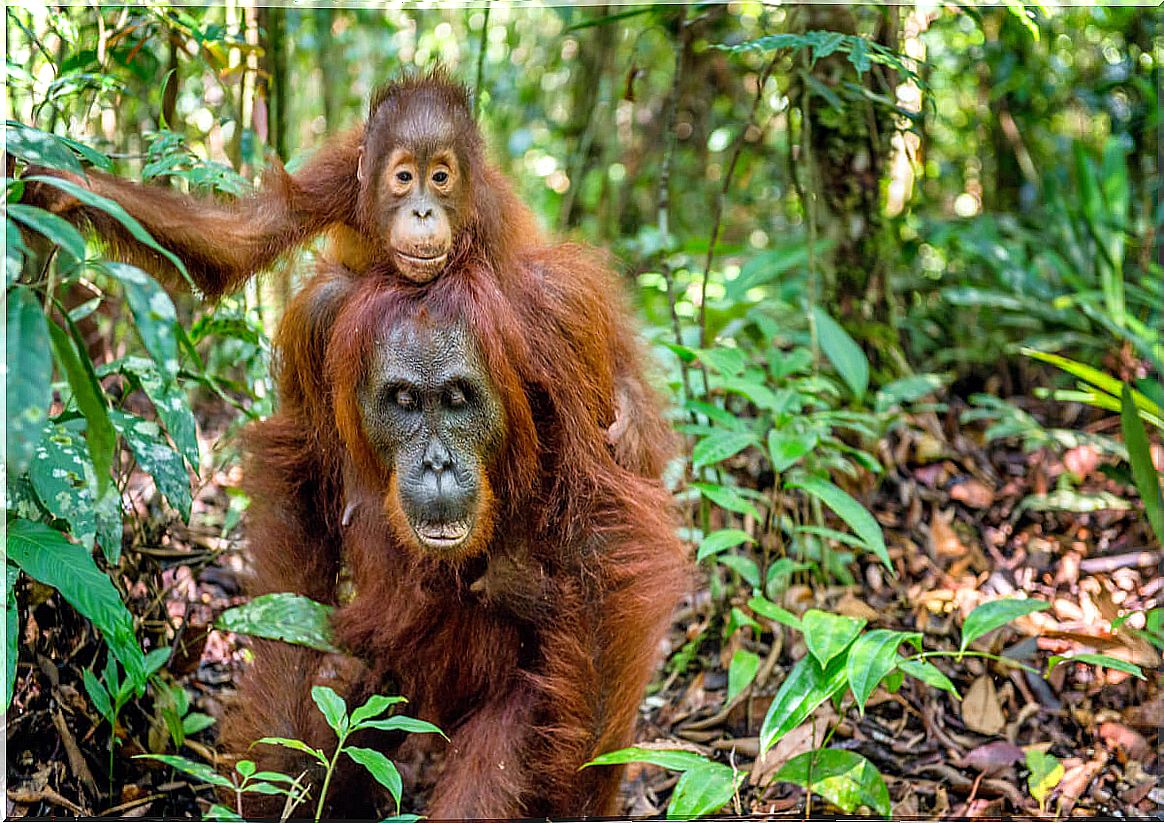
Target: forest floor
{"x":961,"y":528}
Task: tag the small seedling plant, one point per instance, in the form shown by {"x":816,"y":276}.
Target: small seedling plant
{"x":842,"y":656}
{"x":370,"y":715}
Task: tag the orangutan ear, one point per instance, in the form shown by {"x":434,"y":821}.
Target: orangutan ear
{"x":361,"y":174}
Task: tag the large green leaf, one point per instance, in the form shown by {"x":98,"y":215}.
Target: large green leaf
{"x":292,"y":618}
{"x":333,"y":707}
{"x":843,"y":351}
{"x":54,"y":227}
{"x":169,"y":401}
{"x":1092,"y":659}
{"x":199,"y":771}
{"x":373,"y":707}
{"x":717,"y":541}
{"x":90,"y":399}
{"x":719,"y":446}
{"x":785,"y":448}
{"x":673,"y":759}
{"x":157,"y":459}
{"x":39,"y":147}
{"x":45,"y":555}
{"x":401,"y":723}
{"x":853,"y":513}
{"x":702,"y":790}
{"x":928,"y":673}
{"x":874,"y":655}
{"x":742,"y":671}
{"x":28,"y":376}
{"x":727,"y":497}
{"x":153,"y":313}
{"x":827,"y":635}
{"x":381,"y":768}
{"x":62,"y":478}
{"x":114,"y":210}
{"x":1139,"y":455}
{"x":989,"y":616}
{"x":803,"y":690}
{"x":844,"y":778}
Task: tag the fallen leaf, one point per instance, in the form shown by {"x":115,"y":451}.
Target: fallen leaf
{"x":992,"y":758}
{"x":980,"y":709}
{"x":1118,"y":736}
{"x":973,"y":493}
{"x":852,"y":606}
{"x":943,"y":541}
{"x":1075,"y":781}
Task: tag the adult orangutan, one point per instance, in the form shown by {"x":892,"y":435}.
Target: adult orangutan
{"x":510,"y":578}
{"x":409,"y":194}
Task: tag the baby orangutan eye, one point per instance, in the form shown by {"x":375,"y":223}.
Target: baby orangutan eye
{"x":440,"y":178}
{"x":404,"y":176}
{"x":456,"y":397}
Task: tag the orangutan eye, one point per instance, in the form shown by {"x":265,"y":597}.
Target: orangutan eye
{"x":404,"y":176}
{"x":456,"y":397}
{"x":404,"y":399}
{"x":440,"y":178}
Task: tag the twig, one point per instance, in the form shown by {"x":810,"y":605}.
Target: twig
{"x":30,"y":796}
{"x":481,"y":61}
{"x":1143,"y":559}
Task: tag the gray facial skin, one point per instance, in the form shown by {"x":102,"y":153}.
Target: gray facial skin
{"x":433,"y":416}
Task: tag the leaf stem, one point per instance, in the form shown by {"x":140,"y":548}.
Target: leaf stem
{"x":327,"y":776}
{"x":995,"y":657}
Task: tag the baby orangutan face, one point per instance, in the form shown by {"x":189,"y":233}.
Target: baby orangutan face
{"x":415,"y":183}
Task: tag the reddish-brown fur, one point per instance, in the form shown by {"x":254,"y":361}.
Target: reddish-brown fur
{"x":534,"y":654}
{"x":532,"y":673}
{"x":224,"y":244}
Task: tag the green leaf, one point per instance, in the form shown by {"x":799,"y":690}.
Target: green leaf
{"x":844,"y":353}
{"x":334,"y":710}
{"x":827,"y":635}
{"x":929,"y":674}
{"x":702,"y":790}
{"x":1104,"y":660}
{"x":153,"y":314}
{"x":90,"y":399}
{"x":673,"y":759}
{"x":853,"y":513}
{"x":843,"y":778}
{"x":199,"y":771}
{"x":375,"y":706}
{"x":803,"y":690}
{"x":719,"y":446}
{"x":786,"y":448}
{"x":381,"y":768}
{"x":98,"y":696}
{"x":770,"y":610}
{"x":45,"y":555}
{"x":28,"y":376}
{"x":873,"y":656}
{"x":400,"y":723}
{"x":1046,"y":772}
{"x":991,"y":615}
{"x":291,"y":618}
{"x":169,"y":401}
{"x":742,"y":671}
{"x":906,"y":390}
{"x":55,"y":228}
{"x":157,"y":459}
{"x":196,"y":722}
{"x":114,"y":210}
{"x":39,"y":147}
{"x":723,"y":361}
{"x":727,"y":497}
{"x":62,"y":477}
{"x":717,"y":541}
{"x":745,"y":567}
{"x":12,"y":633}
{"x":297,"y":745}
{"x":1143,"y":472}
{"x":219,"y":812}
